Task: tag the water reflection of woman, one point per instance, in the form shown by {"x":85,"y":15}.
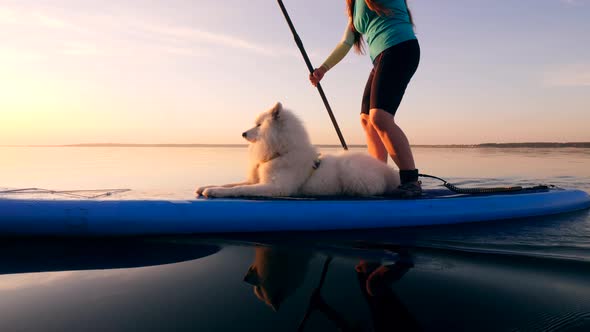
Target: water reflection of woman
{"x":388,"y":313}
{"x":277,"y":273}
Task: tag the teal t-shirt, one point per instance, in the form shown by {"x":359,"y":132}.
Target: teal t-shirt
{"x":383,"y":32}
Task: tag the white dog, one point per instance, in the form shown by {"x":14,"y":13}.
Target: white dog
{"x":284,"y":163}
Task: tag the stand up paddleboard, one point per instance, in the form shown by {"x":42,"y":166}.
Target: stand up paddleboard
{"x":107,"y":216}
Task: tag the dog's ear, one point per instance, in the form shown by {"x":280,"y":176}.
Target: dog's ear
{"x":276,"y":110}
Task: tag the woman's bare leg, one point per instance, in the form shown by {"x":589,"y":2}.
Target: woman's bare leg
{"x":393,"y":138}
{"x":374,"y":143}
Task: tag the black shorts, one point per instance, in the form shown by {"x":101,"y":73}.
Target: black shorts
{"x":392,"y":71}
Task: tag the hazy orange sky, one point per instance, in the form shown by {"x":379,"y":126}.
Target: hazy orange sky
{"x":198,"y":71}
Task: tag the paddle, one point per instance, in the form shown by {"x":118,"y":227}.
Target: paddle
{"x":311,"y":69}
{"x":317,"y":303}
{"x":315,"y":294}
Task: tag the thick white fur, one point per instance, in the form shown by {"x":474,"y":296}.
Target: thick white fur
{"x":282,"y":159}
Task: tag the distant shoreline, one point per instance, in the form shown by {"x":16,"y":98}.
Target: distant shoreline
{"x":463,"y":146}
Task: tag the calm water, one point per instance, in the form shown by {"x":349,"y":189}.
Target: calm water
{"x":522,"y":275}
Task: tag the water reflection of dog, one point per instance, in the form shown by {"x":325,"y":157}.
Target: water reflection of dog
{"x":277,"y":273}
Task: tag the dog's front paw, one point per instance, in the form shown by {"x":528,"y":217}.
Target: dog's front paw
{"x":213,"y":192}
{"x":199,"y":191}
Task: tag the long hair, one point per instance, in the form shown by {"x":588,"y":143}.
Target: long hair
{"x":375,"y":6}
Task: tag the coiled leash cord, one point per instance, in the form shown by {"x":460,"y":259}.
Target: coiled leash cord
{"x":90,"y":193}
{"x":488,"y":190}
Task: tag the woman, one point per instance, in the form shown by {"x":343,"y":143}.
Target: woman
{"x":388,"y":27}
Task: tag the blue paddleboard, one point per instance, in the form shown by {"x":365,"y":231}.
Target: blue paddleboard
{"x":112,"y":217}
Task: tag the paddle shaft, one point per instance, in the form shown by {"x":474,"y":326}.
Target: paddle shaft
{"x":311,"y":69}
{"x":315,"y":295}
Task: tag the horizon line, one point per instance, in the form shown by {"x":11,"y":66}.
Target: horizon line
{"x":242,"y":145}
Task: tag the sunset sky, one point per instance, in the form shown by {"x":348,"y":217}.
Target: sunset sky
{"x":196,"y":71}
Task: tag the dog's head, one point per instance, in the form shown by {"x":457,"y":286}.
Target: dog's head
{"x":276,"y":131}
{"x":267,"y":124}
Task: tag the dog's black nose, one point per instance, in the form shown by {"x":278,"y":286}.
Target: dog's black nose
{"x":244,"y":134}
